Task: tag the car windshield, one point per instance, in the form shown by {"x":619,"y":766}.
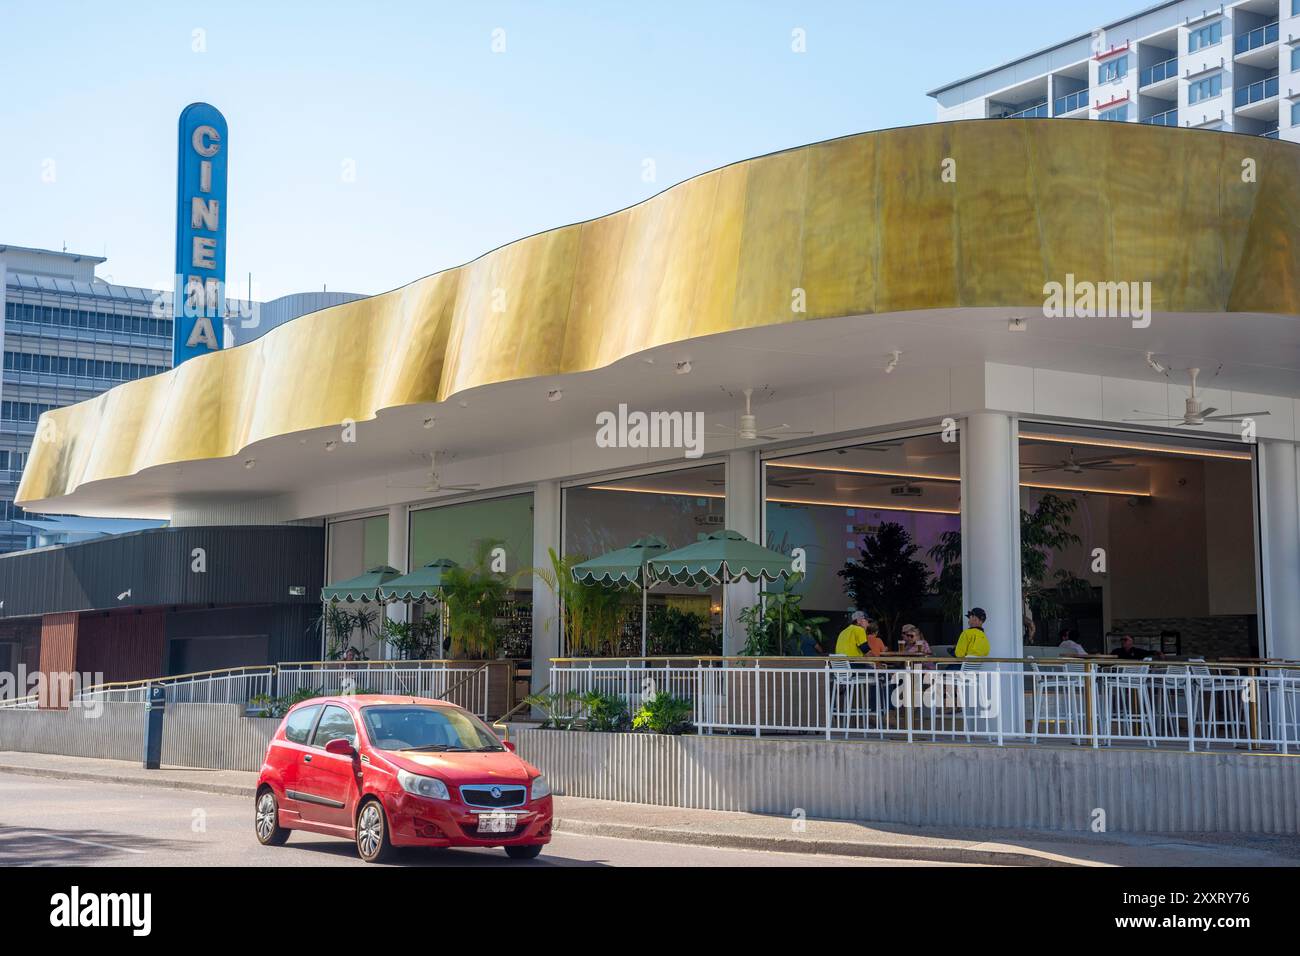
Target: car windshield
{"x":415,"y":727}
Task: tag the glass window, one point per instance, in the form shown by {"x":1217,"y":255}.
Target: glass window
{"x":1153,"y":538}
{"x":1208,"y":35}
{"x":298,"y":724}
{"x":680,"y":507}
{"x":1295,"y":55}
{"x":1295,"y":114}
{"x":335,"y":724}
{"x":1119,"y":114}
{"x":1205,"y":89}
{"x":880,"y":524}
{"x":1112,"y":69}
{"x":412,"y":727}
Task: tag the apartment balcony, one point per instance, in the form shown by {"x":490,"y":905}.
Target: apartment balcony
{"x":1258,"y":47}
{"x":1167,"y":118}
{"x":1070,"y":103}
{"x":1037,"y":111}
{"x":1258,"y":100}
{"x":1160,"y":80}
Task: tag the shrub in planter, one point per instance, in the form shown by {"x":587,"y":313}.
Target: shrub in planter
{"x":605,"y":713}
{"x":264,"y":705}
{"x":664,"y":714}
{"x":558,"y":710}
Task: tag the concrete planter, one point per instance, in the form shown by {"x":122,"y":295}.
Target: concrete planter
{"x":955,"y":785}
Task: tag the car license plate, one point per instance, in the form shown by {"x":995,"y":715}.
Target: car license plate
{"x":497,"y":822}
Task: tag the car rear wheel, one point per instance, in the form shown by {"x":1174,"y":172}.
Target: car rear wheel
{"x":373,"y":844}
{"x":266,"y":821}
{"x":524,"y":852}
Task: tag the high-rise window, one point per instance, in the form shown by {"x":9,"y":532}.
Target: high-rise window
{"x":1112,"y":69}
{"x":1205,"y":89}
{"x":1118,"y":115}
{"x":1207,"y":35}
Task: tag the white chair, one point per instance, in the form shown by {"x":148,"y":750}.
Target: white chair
{"x":849,"y":695}
{"x":1212,"y":687}
{"x":1059,"y":698}
{"x":1126,"y":701}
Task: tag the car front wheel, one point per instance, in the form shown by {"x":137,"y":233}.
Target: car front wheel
{"x":266,"y":822}
{"x":524,"y":852}
{"x":373,"y":844}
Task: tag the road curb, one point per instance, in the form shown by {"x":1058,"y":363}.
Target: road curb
{"x":983,"y":856}
{"x":164,"y":783}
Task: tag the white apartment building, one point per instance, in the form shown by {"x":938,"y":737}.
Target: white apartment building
{"x":1232,"y":67}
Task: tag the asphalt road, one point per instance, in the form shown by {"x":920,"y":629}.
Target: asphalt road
{"x":81,"y":823}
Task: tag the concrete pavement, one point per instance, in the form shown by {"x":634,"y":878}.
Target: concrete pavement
{"x":753,"y":833}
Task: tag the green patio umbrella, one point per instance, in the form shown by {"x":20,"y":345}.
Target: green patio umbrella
{"x":724,"y":557}
{"x":363,"y":588}
{"x":422,"y":584}
{"x":624,"y":566}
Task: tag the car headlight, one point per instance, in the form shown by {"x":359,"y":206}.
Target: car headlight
{"x":422,"y":786}
{"x":540,"y":788}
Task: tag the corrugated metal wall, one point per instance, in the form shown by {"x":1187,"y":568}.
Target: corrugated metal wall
{"x":244,"y":565}
{"x":211,"y":736}
{"x":59,"y":643}
{"x":929,"y":784}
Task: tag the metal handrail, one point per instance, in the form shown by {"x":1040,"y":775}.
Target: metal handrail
{"x":501,"y":722}
{"x":918,"y":659}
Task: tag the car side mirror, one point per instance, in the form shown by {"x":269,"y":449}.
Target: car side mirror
{"x":340,"y":747}
{"x":509,"y":745}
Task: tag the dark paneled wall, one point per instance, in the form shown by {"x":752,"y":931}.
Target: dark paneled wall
{"x":123,"y":645}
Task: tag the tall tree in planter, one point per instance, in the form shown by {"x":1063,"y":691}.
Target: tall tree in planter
{"x":1043,"y":531}
{"x":887,"y":580}
{"x":592,"y":613}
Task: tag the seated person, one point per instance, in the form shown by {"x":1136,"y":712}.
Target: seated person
{"x":853,"y":638}
{"x":1069,"y":646}
{"x":1128,"y":651}
{"x":973,"y":642}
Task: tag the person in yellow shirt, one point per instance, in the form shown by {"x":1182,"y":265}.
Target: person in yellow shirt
{"x":853,"y":638}
{"x":973,"y":642}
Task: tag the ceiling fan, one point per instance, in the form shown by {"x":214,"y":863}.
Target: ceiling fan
{"x":1193,"y":414}
{"x":1077,"y":466}
{"x":434,"y":484}
{"x":749,"y":430}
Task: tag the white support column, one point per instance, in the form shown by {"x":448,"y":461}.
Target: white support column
{"x":990,"y":523}
{"x":1279,"y":528}
{"x":398,"y":557}
{"x":546,"y":608}
{"x":742,"y":515}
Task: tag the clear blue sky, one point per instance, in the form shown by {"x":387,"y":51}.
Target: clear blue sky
{"x":456,"y":149}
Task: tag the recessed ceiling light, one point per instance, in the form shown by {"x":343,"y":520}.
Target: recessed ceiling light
{"x":683,"y":368}
{"x":331,"y":445}
{"x":249,"y":463}
{"x":1018,"y":324}
{"x":428,"y":422}
{"x":554,"y":395}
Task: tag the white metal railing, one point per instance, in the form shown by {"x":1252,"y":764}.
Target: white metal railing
{"x":1189,"y":705}
{"x":464,"y":683}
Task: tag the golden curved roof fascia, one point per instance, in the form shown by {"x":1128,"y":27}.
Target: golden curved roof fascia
{"x":862,"y":224}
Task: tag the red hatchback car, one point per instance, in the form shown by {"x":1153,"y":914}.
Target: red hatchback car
{"x":399,"y":771}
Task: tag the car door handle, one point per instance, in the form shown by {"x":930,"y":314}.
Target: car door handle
{"x":306,"y":758}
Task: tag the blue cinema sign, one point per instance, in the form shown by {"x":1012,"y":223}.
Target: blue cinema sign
{"x":199,"y":291}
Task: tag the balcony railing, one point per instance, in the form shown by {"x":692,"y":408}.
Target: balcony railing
{"x":1260,"y":90}
{"x":1167,"y":118}
{"x":1186,"y":705}
{"x":1161,"y":71}
{"x":1071,"y":102}
{"x":1269,"y":133}
{"x":1258,"y":37}
{"x":1030,"y":112}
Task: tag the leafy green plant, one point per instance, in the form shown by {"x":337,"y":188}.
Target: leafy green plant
{"x":336,"y":627}
{"x":591,"y":614}
{"x":412,"y":640}
{"x":267,"y":705}
{"x":474,"y":593}
{"x":887,"y":580}
{"x":777,"y":625}
{"x":664,"y":714}
{"x":604,"y":713}
{"x":671,"y":630}
{"x":559,"y":710}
